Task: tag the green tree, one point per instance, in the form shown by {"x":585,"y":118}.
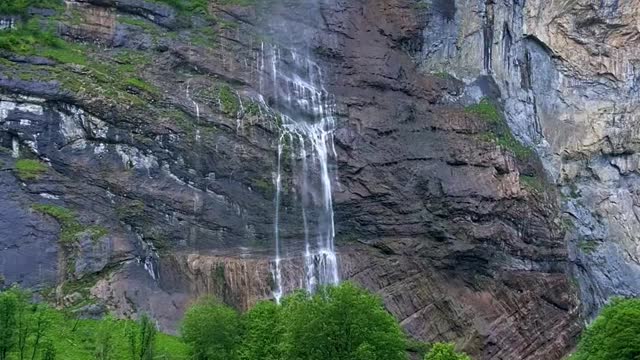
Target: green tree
{"x":148,"y":333}
{"x":445,"y":351}
{"x":212,"y":330}
{"x":9,"y":307}
{"x":263,"y":333}
{"x":40,"y":323}
{"x":614,"y":335}
{"x":341,"y":323}
{"x":141,"y":339}
{"x":48,"y":351}
{"x":104,"y":339}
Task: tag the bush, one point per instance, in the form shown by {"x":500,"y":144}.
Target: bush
{"x":342,"y":323}
{"x":212,"y":330}
{"x":614,"y":335}
{"x":228,"y":101}
{"x":445,"y":351}
{"x":264,"y":333}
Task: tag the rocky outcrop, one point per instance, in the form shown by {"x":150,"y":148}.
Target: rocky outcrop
{"x":566,"y":72}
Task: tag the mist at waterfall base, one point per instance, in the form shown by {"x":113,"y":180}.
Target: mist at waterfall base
{"x":305,"y":143}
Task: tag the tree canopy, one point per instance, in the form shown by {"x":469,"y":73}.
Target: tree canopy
{"x":338,"y":323}
{"x":343,"y":322}
{"x":445,"y":351}
{"x":614,"y":335}
{"x":35,"y":331}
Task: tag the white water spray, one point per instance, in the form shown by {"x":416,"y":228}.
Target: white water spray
{"x":306,"y":114}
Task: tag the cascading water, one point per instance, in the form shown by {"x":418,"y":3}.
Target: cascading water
{"x":306,"y":124}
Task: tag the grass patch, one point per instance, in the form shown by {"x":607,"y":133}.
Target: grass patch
{"x":28,"y":169}
{"x":188,"y":7}
{"x":486,"y":110}
{"x":205,"y":36}
{"x":143,"y":24}
{"x":567,"y":224}
{"x":70,"y":228}
{"x":499,"y":133}
{"x":532,"y":183}
{"x":34,"y":40}
{"x":141,"y":85}
{"x":229,"y":102}
{"x":96,"y":232}
{"x":442,"y":75}
{"x":252,"y":109}
{"x":82,"y":286}
{"x":65,"y":55}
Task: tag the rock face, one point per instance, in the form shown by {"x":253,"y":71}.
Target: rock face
{"x":567,"y":74}
{"x":158,"y":155}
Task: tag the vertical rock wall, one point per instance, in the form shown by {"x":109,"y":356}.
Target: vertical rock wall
{"x":567,"y":74}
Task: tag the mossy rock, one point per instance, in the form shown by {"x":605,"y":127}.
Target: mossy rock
{"x":29,"y":169}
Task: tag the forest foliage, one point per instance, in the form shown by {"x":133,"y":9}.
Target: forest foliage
{"x":342,"y":322}
{"x":614,"y":335}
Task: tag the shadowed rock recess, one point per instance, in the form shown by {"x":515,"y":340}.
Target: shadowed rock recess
{"x":483,"y":158}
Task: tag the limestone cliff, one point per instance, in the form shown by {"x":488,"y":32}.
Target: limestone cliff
{"x":567,"y":74}
{"x":485,"y":153}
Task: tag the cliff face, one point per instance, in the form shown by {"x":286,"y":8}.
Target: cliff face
{"x":156,"y":148}
{"x":567,"y":74}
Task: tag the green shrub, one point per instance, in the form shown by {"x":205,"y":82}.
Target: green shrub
{"x":212,"y":331}
{"x":614,"y":335}
{"x":445,"y":351}
{"x":499,"y":133}
{"x":263,"y":332}
{"x":70,"y":228}
{"x":142,"y":85}
{"x":340,"y":322}
{"x":532,"y":183}
{"x":228,"y":100}
{"x":65,"y":55}
{"x":486,"y":110}
{"x":28,"y":169}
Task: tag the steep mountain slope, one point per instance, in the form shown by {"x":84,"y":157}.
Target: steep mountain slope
{"x":141,"y":157}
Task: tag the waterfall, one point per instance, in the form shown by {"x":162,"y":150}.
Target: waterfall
{"x":306,"y":122}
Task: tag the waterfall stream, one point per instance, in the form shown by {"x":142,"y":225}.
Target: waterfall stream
{"x":306,"y":125}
